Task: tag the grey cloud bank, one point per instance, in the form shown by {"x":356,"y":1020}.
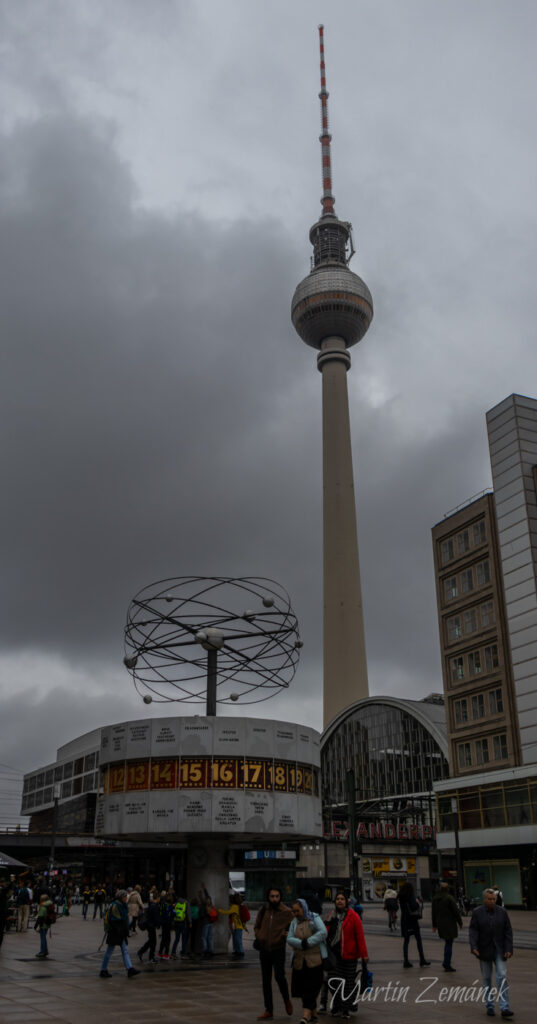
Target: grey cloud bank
{"x":160,"y":417}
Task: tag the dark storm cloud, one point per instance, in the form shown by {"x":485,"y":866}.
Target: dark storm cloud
{"x":147,"y":377}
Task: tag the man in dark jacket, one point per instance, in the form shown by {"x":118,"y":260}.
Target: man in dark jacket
{"x":491,"y":940}
{"x":117,"y":931}
{"x":152,"y":917}
{"x":270,"y":929}
{"x":445,"y":918}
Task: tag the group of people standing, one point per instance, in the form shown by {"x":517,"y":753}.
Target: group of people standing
{"x":325,"y":955}
{"x":191,"y":922}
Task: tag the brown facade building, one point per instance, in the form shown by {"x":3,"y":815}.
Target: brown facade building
{"x":482,"y":724}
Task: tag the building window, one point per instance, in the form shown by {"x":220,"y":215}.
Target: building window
{"x":463,"y":542}
{"x":450,"y":588}
{"x":474,"y":663}
{"x":483,"y":573}
{"x":448,"y":551}
{"x":480,"y":533}
{"x":478,"y":706}
{"x":487,"y":614}
{"x":454,"y":628}
{"x":481,"y":750}
{"x":491,"y":658}
{"x":496,"y":702}
{"x":493,"y":808}
{"x":457,"y":668}
{"x":467,"y":581}
{"x":461,"y":711}
{"x":470,"y":621}
{"x":465,"y":755}
{"x":500,"y":747}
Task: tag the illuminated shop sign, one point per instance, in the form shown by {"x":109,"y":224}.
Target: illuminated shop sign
{"x":383,"y":830}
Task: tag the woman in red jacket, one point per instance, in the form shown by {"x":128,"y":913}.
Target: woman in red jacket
{"x":346,"y":946}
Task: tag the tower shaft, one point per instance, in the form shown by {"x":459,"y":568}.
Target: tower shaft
{"x":344,"y":656}
{"x":332,"y":310}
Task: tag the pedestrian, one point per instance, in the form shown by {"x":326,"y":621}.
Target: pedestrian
{"x":411,"y":911}
{"x":208,"y":916}
{"x":99,"y":898}
{"x":86,"y":900}
{"x":499,"y":896}
{"x":135,"y":907}
{"x":152,"y":917}
{"x":22,"y":902}
{"x":271,"y":927}
{"x":391,"y":906}
{"x":346,"y":945}
{"x":166,"y":921}
{"x":42,"y":924}
{"x":306,"y":937}
{"x":236,"y":924}
{"x":6,"y":890}
{"x":181,"y":926}
{"x":117,"y":931}
{"x":446,"y":920}
{"x":491,"y":941}
{"x":195,"y":934}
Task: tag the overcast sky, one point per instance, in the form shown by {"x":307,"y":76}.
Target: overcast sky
{"x":159,"y":173}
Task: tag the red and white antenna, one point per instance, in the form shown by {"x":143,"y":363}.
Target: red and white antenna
{"x":325,"y":138}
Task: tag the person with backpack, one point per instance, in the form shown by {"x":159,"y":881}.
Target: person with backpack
{"x":152,"y":920}
{"x":116,"y":923}
{"x":236,"y":923}
{"x":181,"y":925}
{"x":46,"y":917}
{"x":23,"y":907}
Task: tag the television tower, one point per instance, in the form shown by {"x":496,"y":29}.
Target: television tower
{"x":331,"y":310}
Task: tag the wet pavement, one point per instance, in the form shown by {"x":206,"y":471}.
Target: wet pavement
{"x":67,"y":988}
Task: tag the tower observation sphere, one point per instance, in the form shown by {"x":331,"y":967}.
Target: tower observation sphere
{"x":331,"y":310}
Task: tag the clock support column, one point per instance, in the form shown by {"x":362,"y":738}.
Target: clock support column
{"x":207,"y":866}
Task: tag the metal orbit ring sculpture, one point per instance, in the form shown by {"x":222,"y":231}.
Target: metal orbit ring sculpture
{"x":244,"y":628}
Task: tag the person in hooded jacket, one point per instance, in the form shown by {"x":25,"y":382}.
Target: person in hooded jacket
{"x":446,"y":920}
{"x":306,"y":937}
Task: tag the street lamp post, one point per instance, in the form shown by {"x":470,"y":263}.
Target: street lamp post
{"x":353,"y":855}
{"x":54,"y":829}
{"x":455,"y":818}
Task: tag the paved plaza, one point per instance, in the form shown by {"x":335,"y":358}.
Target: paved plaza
{"x":67,"y":988}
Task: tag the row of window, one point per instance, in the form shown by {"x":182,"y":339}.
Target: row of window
{"x":478,"y":706}
{"x":62,"y":771}
{"x":470,"y":621}
{"x":482,"y":751}
{"x":475,"y":663}
{"x":467,"y":580}
{"x":82,"y":784}
{"x":493,"y":806}
{"x":460,"y":543}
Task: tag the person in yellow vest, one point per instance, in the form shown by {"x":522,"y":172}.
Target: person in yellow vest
{"x":236,"y":925}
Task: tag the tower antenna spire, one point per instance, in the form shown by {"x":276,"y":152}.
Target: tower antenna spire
{"x":325,"y":138}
